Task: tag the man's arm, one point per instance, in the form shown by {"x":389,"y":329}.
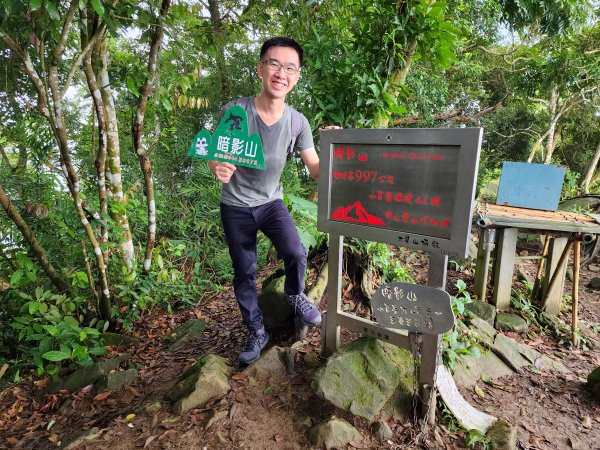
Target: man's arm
{"x":311,"y":161}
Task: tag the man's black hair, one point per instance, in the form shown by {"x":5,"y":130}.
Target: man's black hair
{"x":281,"y":41}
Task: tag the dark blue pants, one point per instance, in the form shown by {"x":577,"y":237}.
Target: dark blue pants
{"x":241,"y":225}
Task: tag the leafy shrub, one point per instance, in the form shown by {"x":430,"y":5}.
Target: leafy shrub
{"x":50,"y":326}
{"x":459,"y":341}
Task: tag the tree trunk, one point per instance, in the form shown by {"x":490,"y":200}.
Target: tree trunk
{"x":100,"y":159}
{"x":116,"y":198}
{"x":550,"y":142}
{"x":138,"y":131}
{"x":40,"y":254}
{"x":216,"y":22}
{"x":398,"y":78}
{"x":585,"y":183}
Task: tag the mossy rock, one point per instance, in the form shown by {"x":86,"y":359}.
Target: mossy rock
{"x":362,"y":376}
{"x":183,"y":334}
{"x":593,"y":382}
{"x":511,"y":322}
{"x":208,"y":378}
{"x":333,"y":433}
{"x":277,"y":313}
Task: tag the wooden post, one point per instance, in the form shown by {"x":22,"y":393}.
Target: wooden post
{"x":487,"y":237}
{"x":554,"y":279}
{"x":334,"y":289}
{"x":575,"y":305}
{"x":540,"y":269}
{"x":432,"y":343}
{"x":505,"y":266}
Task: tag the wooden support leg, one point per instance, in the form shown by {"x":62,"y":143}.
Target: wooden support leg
{"x":575,"y":306}
{"x":552,"y":293}
{"x":334,"y":294}
{"x":505,"y":266}
{"x":482,"y":265}
{"x":432,"y":344}
{"x":540,"y":270}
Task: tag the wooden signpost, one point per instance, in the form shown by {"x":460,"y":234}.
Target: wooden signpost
{"x":407,"y":187}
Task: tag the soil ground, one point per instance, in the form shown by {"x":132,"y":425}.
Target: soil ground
{"x":550,"y":411}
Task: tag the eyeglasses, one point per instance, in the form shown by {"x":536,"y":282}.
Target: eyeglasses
{"x":275,"y":65}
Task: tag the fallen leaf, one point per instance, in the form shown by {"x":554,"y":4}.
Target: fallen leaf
{"x":527,"y":427}
{"x":278,"y":438}
{"x":149,"y":440}
{"x":129,"y":417}
{"x":102,"y":396}
{"x":3,"y":370}
{"x":165,"y":435}
{"x":587,"y":422}
{"x":479,"y":392}
{"x":53,"y":438}
{"x":536,"y":440}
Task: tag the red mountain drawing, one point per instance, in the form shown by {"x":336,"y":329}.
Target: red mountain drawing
{"x":356,"y":213}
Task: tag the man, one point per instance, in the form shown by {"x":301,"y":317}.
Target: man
{"x":251,"y":199}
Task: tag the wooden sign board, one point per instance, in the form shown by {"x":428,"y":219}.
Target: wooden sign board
{"x":407,"y":187}
{"x":412,"y":307}
{"x":231,"y":142}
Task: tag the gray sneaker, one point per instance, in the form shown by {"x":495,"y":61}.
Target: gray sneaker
{"x":305,"y":309}
{"x":255,"y":342}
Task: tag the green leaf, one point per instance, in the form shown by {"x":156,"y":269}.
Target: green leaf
{"x":35,"y":4}
{"x":34,"y":307}
{"x":132,"y":86}
{"x":16,"y":277}
{"x":98,"y":7}
{"x":98,"y":351}
{"x":52,"y":10}
{"x":166,"y":103}
{"x":56,"y":356}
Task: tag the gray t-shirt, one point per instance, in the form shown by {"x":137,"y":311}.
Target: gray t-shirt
{"x":253,"y":187}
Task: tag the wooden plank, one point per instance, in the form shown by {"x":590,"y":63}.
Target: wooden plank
{"x":565,"y":221}
{"x":553,"y":297}
{"x":481,"y":268}
{"x":504,"y":268}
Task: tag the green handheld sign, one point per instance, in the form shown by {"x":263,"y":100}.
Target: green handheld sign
{"x":231,"y":142}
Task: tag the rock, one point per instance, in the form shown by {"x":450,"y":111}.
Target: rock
{"x":485,"y":330}
{"x":594,"y":377}
{"x":362,"y":376}
{"x":594,"y":268}
{"x":594,"y":283}
{"x":333,"y":433}
{"x":118,"y":340}
{"x":382,"y":430}
{"x":511,"y":322}
{"x":509,"y":348}
{"x":87,"y":375}
{"x":569,"y":274}
{"x":311,"y":360}
{"x":502,"y":436}
{"x":305,"y":422}
{"x":471,"y":370}
{"x":524,"y":277}
{"x":205,"y":380}
{"x":483,"y":310}
{"x":277,"y":273}
{"x":185,"y":333}
{"x":277,"y":313}
{"x":399,"y":405}
{"x":153,"y":408}
{"x":116,"y":379}
{"x":214,"y":417}
{"x":270,"y":364}
{"x":89,"y":435}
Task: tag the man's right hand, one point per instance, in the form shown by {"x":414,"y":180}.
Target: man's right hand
{"x":222,"y":170}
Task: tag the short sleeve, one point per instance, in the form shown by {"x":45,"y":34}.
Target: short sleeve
{"x":305,"y":138}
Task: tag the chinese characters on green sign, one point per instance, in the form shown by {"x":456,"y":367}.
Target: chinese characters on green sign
{"x":231,"y":142}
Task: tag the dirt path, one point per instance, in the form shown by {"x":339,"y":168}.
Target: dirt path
{"x":550,"y":411}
